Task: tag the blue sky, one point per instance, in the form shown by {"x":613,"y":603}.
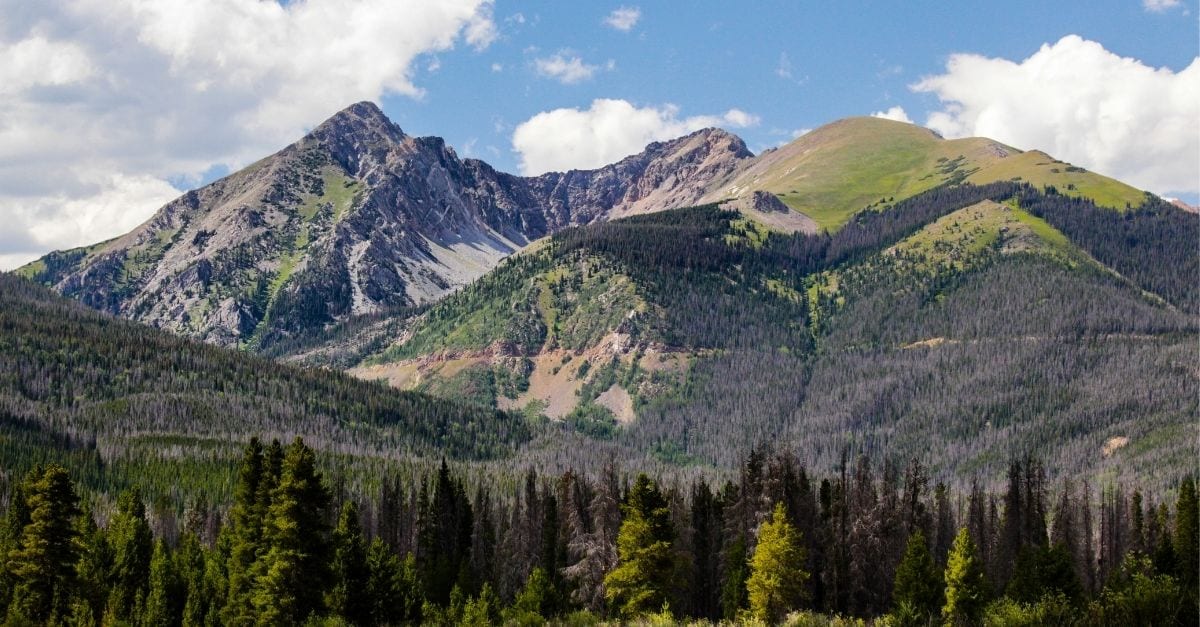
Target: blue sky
{"x":111,"y":108}
{"x":850,"y":58}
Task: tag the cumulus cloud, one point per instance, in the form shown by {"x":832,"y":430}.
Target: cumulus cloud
{"x":625,"y":18}
{"x":565,"y":68}
{"x":1158,"y":6}
{"x":1081,"y":103}
{"x":104,"y":101}
{"x":565,"y":139}
{"x":896,"y":113}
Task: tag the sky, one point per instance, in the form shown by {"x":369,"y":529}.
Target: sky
{"x":111,"y":108}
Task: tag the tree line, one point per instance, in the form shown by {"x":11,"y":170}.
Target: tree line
{"x":776,"y":543}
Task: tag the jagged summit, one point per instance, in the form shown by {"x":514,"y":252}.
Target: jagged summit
{"x":357,"y":217}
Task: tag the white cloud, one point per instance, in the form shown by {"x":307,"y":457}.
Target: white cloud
{"x":103,"y":101}
{"x":1158,"y":6}
{"x":1081,"y":103}
{"x":565,"y":139}
{"x":896,"y":113}
{"x":565,"y":68}
{"x":784,"y":69}
{"x":624,"y":18}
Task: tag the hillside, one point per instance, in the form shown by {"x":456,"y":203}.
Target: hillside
{"x":844,"y":167}
{"x":117,"y":401}
{"x":693,"y":335}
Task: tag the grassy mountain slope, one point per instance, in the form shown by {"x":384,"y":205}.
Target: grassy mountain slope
{"x":121,"y":400}
{"x":841,"y":168}
{"x":963,"y":317}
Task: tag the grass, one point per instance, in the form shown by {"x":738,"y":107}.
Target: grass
{"x":1039,"y":169}
{"x":31,"y":270}
{"x":844,"y":167}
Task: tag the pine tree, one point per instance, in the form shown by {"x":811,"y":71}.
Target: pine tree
{"x":95,"y":564}
{"x":917,"y":592}
{"x":647,"y":564}
{"x":777,"y":576}
{"x":15,"y":518}
{"x":164,"y":603}
{"x":966,"y":589}
{"x":294,"y":574}
{"x":245,"y":536}
{"x":43,"y":564}
{"x":351,"y":575}
{"x":1187,"y":548}
{"x":133,"y":547}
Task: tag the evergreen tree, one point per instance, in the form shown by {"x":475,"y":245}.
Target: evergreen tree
{"x":351,"y":574}
{"x":393,"y":587}
{"x":16,"y":516}
{"x":647,"y":564}
{"x":1187,"y":548}
{"x":95,"y":564}
{"x":43,"y":564}
{"x":966,"y":589}
{"x":164,"y":603}
{"x":294,"y":574}
{"x":917,"y":592}
{"x":245,"y":535}
{"x":133,"y":547}
{"x":777,"y":576}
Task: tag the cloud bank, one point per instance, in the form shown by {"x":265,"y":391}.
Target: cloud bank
{"x":104,"y":101}
{"x":1081,"y":103}
{"x":566,"y":139}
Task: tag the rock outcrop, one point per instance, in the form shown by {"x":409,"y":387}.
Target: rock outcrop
{"x":357,"y":217}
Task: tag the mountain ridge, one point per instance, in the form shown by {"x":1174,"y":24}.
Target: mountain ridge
{"x":358,"y":217}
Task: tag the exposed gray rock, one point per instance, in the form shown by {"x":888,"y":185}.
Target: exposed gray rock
{"x":356,"y":218}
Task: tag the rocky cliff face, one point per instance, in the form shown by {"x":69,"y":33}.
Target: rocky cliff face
{"x":357,"y":217}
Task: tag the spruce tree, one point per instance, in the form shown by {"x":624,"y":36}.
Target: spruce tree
{"x":244,"y":536}
{"x":43,"y":564}
{"x":777,"y":577}
{"x":351,"y":575}
{"x":294,"y":574}
{"x":647,"y":564}
{"x":917,"y":592}
{"x":133,"y":546}
{"x":164,"y":602}
{"x":966,"y":589}
{"x":1187,"y":548}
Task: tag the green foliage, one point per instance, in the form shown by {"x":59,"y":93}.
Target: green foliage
{"x":647,"y":563}
{"x":133,"y":547}
{"x":918,"y":585}
{"x":778,"y":579}
{"x":1137,"y":595}
{"x":294,"y":571}
{"x":1050,"y":609}
{"x":43,"y":563}
{"x":966,"y":589}
{"x":1044,"y":570}
{"x":351,"y":573}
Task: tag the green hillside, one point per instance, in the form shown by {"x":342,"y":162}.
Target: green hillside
{"x":119,"y":402}
{"x":841,"y":168}
{"x":983,"y":318}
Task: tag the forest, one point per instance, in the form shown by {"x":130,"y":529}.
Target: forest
{"x":864,"y":545}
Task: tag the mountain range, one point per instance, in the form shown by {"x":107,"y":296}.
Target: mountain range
{"x":867,"y":288}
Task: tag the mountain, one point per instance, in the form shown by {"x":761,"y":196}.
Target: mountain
{"x":692,"y":335}
{"x":833,"y":172}
{"x":121,"y":404}
{"x":356,"y":217}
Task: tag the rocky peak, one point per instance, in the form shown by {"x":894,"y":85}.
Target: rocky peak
{"x":354,"y":132}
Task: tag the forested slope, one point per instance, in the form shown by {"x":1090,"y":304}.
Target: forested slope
{"x":988,"y":320}
{"x":121,"y":400}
